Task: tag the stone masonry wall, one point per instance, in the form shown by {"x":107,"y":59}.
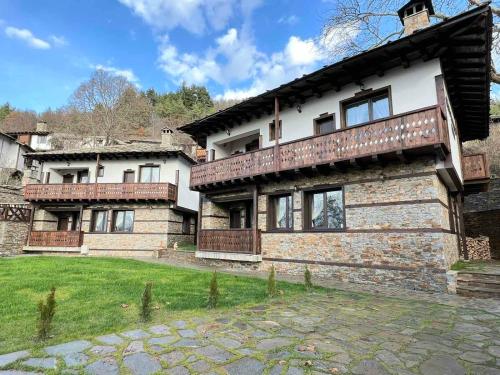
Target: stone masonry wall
{"x":13,"y":234}
{"x":397,"y":229}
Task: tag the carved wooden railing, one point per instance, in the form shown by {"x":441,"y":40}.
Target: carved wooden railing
{"x":411,"y":130}
{"x":230,"y":240}
{"x":56,"y":238}
{"x":99,"y":191}
{"x":14,"y":212}
{"x":476,"y":167}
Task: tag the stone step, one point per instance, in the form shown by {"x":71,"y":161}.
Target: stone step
{"x":466,"y":276}
{"x":477,"y":292}
{"x":479,"y":284}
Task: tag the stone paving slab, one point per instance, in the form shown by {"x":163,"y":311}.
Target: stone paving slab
{"x":334,"y":333}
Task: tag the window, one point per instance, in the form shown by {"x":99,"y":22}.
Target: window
{"x":371,"y":108}
{"x":100,"y":171}
{"x":272,"y":131}
{"x":42,"y":139}
{"x":129,"y":177}
{"x":68,"y":179}
{"x":235,"y":218}
{"x":281,"y":214}
{"x":99,"y":221}
{"x":325,"y":209}
{"x":123,"y":221}
{"x":83,"y":177}
{"x":150,"y":174}
{"x":324,"y":124}
{"x":186,"y":224}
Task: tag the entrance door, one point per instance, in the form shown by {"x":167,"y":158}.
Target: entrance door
{"x":68,"y":179}
{"x":235,"y":218}
{"x":63,"y":223}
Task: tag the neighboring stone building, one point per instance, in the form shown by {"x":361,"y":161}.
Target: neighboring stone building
{"x":14,"y":217}
{"x":128,"y":200}
{"x":11,"y":160}
{"x":354,"y":170}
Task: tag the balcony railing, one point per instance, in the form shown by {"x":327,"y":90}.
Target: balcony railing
{"x":56,"y":238}
{"x":100,"y":192}
{"x":230,"y":241}
{"x":476,"y":168}
{"x":15,"y":212}
{"x":412,"y":130}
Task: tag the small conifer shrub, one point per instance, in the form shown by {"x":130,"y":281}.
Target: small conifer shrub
{"x":213,"y":296}
{"x":47,"y":311}
{"x":271,"y":283}
{"x":308,"y":279}
{"x":146,"y":307}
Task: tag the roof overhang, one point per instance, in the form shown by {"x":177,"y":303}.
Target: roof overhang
{"x":462,"y":44}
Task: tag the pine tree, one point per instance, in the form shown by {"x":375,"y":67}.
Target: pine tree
{"x":47,"y":311}
{"x":271,"y":283}
{"x":213,"y":296}
{"x":308,"y":279}
{"x":146,"y":303}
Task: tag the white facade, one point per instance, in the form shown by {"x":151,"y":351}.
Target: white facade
{"x":41,"y":142}
{"x":11,"y":153}
{"x":114,"y":171}
{"x":410,"y":89}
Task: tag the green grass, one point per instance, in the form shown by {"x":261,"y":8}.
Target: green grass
{"x":459,"y":265}
{"x":90,"y":292}
{"x":186,"y":247}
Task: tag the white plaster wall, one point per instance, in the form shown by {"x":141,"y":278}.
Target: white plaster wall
{"x":36,"y":145}
{"x":113,"y":173}
{"x":411,"y":89}
{"x":456,"y":158}
{"x":10,"y":154}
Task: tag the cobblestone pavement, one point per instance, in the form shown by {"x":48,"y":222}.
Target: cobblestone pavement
{"x":318,"y":333}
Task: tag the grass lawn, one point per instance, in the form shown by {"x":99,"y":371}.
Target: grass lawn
{"x":90,"y":292}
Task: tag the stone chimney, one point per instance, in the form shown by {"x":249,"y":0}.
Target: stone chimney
{"x":415,"y":15}
{"x":167,"y":138}
{"x":41,"y":126}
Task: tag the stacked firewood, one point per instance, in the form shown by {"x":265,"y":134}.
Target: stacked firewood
{"x":478,"y":247}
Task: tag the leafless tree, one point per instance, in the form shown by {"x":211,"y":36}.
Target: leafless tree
{"x":375,"y":22}
{"x":109,"y":104}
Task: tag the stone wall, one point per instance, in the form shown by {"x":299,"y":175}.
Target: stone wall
{"x":13,"y":236}
{"x":11,"y":194}
{"x":397,"y":228}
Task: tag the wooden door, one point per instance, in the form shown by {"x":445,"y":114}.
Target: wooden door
{"x":235,"y":218}
{"x":63,"y":223}
{"x":129,"y":177}
{"x":68,"y":179}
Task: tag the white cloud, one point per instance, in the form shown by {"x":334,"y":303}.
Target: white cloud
{"x":26,"y":36}
{"x":288,"y":20}
{"x":192,"y":15}
{"x":128,"y":74}
{"x":58,"y":41}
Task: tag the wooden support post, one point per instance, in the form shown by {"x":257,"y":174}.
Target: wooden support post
{"x":200,"y":214}
{"x":98,"y":160}
{"x":176,"y":187}
{"x":254,"y":219}
{"x":30,"y":228}
{"x":462,"y":226}
{"x":277,"y":131}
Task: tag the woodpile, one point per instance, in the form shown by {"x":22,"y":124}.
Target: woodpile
{"x":478,"y":247}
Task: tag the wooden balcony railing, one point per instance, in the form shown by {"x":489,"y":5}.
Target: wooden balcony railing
{"x":476,"y":168}
{"x":15,"y":212}
{"x":56,"y":238}
{"x":411,"y":130}
{"x":100,"y":192}
{"x":230,"y":240}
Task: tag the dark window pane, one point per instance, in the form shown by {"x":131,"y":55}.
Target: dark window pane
{"x":357,"y":113}
{"x":334,"y":209}
{"x":129,"y":221}
{"x":281,"y":214}
{"x":119,"y":216}
{"x":380,"y":107}
{"x":99,"y":221}
{"x":317,"y":211}
{"x":325,"y":125}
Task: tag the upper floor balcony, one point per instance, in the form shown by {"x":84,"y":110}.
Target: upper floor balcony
{"x":80,"y":192}
{"x":476,"y":173}
{"x":419,"y":131}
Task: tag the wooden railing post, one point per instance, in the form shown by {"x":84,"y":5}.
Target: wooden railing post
{"x":255,"y":219}
{"x":277,"y":131}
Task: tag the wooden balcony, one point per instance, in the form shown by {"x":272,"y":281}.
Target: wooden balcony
{"x":424,"y":130}
{"x":100,"y":192}
{"x":15,"y":212}
{"x":476,"y":168}
{"x":243,"y":241}
{"x":55,"y":238}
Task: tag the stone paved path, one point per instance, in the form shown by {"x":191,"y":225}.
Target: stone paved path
{"x":332,"y":333}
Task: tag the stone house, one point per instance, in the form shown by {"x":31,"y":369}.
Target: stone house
{"x":126,"y":200}
{"x":355,"y":170}
{"x":11,"y":159}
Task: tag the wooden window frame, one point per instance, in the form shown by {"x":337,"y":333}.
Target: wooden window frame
{"x":128,"y":171}
{"x":79,"y":177}
{"x":92,"y":221}
{"x":272,"y":130}
{"x":307,"y":208}
{"x":113,"y":222}
{"x":271,"y":212}
{"x":149,"y":166}
{"x":366,"y":95}
{"x":100,"y":171}
{"x":322,"y":117}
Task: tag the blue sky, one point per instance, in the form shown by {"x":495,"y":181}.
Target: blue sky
{"x":237,"y":48}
